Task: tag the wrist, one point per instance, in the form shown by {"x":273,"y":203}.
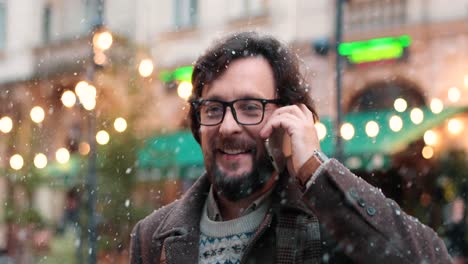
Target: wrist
{"x":311,"y":166}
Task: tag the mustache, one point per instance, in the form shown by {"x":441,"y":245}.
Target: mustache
{"x":233,"y":143}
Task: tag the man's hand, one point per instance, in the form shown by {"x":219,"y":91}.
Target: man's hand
{"x":298,"y":122}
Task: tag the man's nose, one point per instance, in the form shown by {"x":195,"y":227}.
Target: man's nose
{"x":229,"y":124}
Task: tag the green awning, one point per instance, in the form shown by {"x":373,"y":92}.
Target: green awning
{"x":180,"y":150}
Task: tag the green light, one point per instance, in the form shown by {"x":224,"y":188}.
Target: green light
{"x":181,"y":74}
{"x":165,"y":76}
{"x":376,"y":53}
{"x":374,"y":49}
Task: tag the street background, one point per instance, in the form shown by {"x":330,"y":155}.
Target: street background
{"x":93,"y":99}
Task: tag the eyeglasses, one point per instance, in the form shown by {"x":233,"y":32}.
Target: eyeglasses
{"x":245,"y":111}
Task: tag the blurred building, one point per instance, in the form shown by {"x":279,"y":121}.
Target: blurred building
{"x":46,"y":50}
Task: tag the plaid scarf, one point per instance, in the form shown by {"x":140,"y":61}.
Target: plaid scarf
{"x":297,"y":238}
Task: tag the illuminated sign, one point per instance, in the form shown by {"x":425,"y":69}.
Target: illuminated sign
{"x":181,"y":74}
{"x":375,"y":49}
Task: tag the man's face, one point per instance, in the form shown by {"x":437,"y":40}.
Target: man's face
{"x":235,"y":156}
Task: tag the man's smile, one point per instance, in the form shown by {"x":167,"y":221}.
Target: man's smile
{"x":234,"y":154}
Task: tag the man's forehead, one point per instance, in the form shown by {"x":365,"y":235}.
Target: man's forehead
{"x":243,"y":78}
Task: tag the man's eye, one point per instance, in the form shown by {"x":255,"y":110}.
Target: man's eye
{"x":250,"y":106}
{"x":213,"y":110}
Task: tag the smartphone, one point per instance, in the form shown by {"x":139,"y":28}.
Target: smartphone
{"x":275,"y":145}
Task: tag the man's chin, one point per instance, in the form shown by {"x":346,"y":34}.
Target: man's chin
{"x":233,"y":174}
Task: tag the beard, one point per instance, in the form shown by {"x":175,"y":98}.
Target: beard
{"x":244,"y":184}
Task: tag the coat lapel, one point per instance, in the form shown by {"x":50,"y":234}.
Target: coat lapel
{"x":179,"y":235}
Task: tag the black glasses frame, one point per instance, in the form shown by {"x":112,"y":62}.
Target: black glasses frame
{"x":197,"y":103}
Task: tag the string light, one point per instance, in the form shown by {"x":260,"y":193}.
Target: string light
{"x":400,"y":105}
{"x":436,"y":106}
{"x":417,"y":116}
{"x":395,"y":123}
{"x":372,"y":129}
{"x":347,"y":131}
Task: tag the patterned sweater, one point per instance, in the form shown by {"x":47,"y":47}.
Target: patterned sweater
{"x":224,"y":242}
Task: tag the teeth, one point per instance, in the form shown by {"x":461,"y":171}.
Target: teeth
{"x":233,"y":151}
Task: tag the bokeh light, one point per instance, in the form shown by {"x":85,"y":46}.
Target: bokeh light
{"x":81,"y":88}
{"x":372,"y":129}
{"x":102,"y":137}
{"x":6,"y":124}
{"x":62,"y":155}
{"x":146,"y":67}
{"x":454,"y":94}
{"x":437,"y":106}
{"x":347,"y":131}
{"x":184,"y":90}
{"x":40,"y":161}
{"x":427,"y":152}
{"x":37,"y":114}
{"x":16,"y":162}
{"x":120,"y":124}
{"x":102,"y":40}
{"x":84,"y":148}
{"x":400,"y":105}
{"x":68,"y":99}
{"x":321,"y":130}
{"x":395,"y":123}
{"x":417,"y":116}
{"x":430,"y":138}
{"x":455,"y":126}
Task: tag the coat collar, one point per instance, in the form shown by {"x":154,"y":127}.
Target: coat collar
{"x":180,"y":231}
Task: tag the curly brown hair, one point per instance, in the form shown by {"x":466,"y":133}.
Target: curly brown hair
{"x":289,"y":82}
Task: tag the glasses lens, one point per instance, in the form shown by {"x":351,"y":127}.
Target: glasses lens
{"x":211,"y":112}
{"x":249,"y":111}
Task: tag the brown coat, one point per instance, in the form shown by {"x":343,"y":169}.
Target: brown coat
{"x":358,"y":225}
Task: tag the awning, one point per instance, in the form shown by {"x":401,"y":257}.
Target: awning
{"x":180,"y":150}
{"x":170,"y":156}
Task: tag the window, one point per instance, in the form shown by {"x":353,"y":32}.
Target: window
{"x":247,"y":8}
{"x":47,"y":23}
{"x":3,"y":24}
{"x":361,"y":15}
{"x":185,"y":14}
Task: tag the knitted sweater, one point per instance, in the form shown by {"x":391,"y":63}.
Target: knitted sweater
{"x":224,"y":242}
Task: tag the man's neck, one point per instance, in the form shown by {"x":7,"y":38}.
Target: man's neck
{"x":233,"y":209}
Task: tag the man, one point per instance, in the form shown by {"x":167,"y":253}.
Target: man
{"x":248,"y":88}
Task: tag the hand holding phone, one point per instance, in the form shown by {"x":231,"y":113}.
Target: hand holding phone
{"x":291,"y":137}
{"x":275,"y":148}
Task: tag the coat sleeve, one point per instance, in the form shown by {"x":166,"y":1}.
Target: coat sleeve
{"x":367,"y":226}
{"x":135,"y":247}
